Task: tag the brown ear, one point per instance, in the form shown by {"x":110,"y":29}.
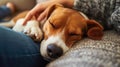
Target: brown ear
{"x":51,"y":8}
{"x":95,"y":30}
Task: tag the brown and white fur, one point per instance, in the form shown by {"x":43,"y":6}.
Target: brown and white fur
{"x":62,"y":28}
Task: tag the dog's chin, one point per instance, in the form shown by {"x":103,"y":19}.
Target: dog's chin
{"x":49,"y":59}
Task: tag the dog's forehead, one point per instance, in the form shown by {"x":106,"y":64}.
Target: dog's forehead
{"x":59,"y":21}
{"x":63,"y":19}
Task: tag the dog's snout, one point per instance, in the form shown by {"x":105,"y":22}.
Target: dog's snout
{"x":54,"y":51}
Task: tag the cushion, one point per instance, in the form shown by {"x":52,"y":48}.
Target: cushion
{"x":20,"y":4}
{"x":39,"y":1}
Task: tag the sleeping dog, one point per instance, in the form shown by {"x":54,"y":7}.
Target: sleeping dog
{"x":61,"y":29}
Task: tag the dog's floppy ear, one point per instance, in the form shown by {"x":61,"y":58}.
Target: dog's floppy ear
{"x":95,"y":30}
{"x":51,"y":8}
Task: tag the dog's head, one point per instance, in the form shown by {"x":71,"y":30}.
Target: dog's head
{"x":63,"y":28}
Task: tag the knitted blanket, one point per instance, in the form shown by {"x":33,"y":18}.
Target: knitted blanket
{"x":92,"y":53}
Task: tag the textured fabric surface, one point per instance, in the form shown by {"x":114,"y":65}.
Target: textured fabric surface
{"x":92,"y":53}
{"x":106,"y":12}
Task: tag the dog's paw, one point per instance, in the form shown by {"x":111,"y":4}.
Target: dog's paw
{"x":33,"y":30}
{"x":18,"y":26}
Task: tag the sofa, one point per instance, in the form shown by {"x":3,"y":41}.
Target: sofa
{"x":86,"y":52}
{"x":21,"y":4}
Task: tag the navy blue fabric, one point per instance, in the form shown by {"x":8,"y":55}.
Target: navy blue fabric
{"x":18,"y":50}
{"x":4,"y":12}
{"x":2,"y":20}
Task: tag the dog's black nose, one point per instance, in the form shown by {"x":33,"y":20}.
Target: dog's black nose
{"x":54,"y":51}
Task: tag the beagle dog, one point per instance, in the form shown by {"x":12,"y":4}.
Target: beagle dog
{"x":61,"y":29}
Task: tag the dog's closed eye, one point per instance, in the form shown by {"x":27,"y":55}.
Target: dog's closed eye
{"x":73,"y":34}
{"x":52,"y":24}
